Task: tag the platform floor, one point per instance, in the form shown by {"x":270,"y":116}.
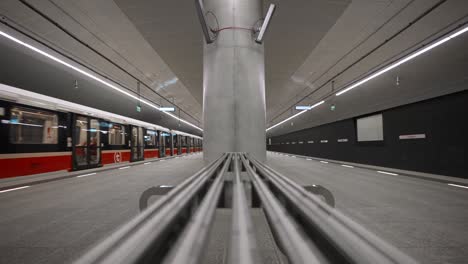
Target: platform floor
{"x":57,"y":221}
{"x":428,"y":220}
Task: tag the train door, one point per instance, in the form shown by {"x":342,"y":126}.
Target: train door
{"x":168,"y":139}
{"x":162,"y":144}
{"x":86,"y":150}
{"x":175,"y":144}
{"x":137,"y":144}
{"x":183,"y":144}
{"x":189,"y":145}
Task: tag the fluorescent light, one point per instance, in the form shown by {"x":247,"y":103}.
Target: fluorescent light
{"x":123,"y":168}
{"x":302,"y":107}
{"x":388,"y":173}
{"x":85,"y":175}
{"x":14,"y":189}
{"x":167,"y":109}
{"x":324,"y":161}
{"x":404,"y":60}
{"x":347,"y":166}
{"x":456,"y":185}
{"x":265,"y":23}
{"x":298,"y":114}
{"x":93,"y":77}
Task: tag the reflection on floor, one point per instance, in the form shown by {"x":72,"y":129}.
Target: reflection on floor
{"x":57,"y":221}
{"x":427,"y":220}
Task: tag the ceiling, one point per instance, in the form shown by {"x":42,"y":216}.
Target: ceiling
{"x":310,"y":45}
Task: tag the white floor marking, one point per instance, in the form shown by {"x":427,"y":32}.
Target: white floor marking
{"x":14,"y":189}
{"x":347,"y":166}
{"x":293,"y":156}
{"x":85,"y":175}
{"x":324,"y":161}
{"x":123,"y":168}
{"x":308,"y":159}
{"x":389,"y":173}
{"x":460,"y":186}
{"x":146,"y":163}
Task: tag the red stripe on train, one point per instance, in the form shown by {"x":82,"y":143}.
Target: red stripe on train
{"x":33,"y":165}
{"x":151,"y":153}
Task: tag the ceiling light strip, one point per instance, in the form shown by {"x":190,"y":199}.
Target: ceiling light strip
{"x":386,"y":69}
{"x":297,"y":114}
{"x":92,"y":77}
{"x":403,"y":60}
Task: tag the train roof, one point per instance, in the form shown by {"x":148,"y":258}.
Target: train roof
{"x":25,"y":97}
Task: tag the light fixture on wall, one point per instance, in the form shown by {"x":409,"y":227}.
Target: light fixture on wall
{"x":266,"y":22}
{"x":167,"y":109}
{"x":202,"y":18}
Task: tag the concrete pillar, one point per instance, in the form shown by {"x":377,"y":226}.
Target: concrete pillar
{"x":234,"y":82}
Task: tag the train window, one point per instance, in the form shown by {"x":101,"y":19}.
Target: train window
{"x":30,"y":126}
{"x":150,"y":137}
{"x":117,"y":135}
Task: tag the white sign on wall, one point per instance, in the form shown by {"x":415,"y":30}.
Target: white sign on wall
{"x":413,"y":136}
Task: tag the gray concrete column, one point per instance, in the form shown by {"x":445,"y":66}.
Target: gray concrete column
{"x":234,"y":82}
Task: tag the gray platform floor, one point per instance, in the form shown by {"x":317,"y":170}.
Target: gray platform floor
{"x":56,"y":222}
{"x":427,"y":220}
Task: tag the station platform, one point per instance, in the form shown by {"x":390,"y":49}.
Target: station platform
{"x":425,"y":218}
{"x":57,"y":221}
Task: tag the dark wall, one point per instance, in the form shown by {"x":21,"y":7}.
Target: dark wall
{"x":444,"y":121}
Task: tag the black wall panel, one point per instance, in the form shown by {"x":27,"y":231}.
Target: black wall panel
{"x":444,"y":121}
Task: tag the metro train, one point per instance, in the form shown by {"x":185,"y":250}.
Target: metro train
{"x":43,"y":134}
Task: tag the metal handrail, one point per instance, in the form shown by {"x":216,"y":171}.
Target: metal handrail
{"x":176,"y":228}
{"x":346,"y":237}
{"x":297,"y":248}
{"x":189,"y":247}
{"x":243,"y":248}
{"x":134,"y":241}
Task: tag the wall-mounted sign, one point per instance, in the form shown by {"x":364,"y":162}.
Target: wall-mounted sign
{"x":413,"y":136}
{"x":342,"y":140}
